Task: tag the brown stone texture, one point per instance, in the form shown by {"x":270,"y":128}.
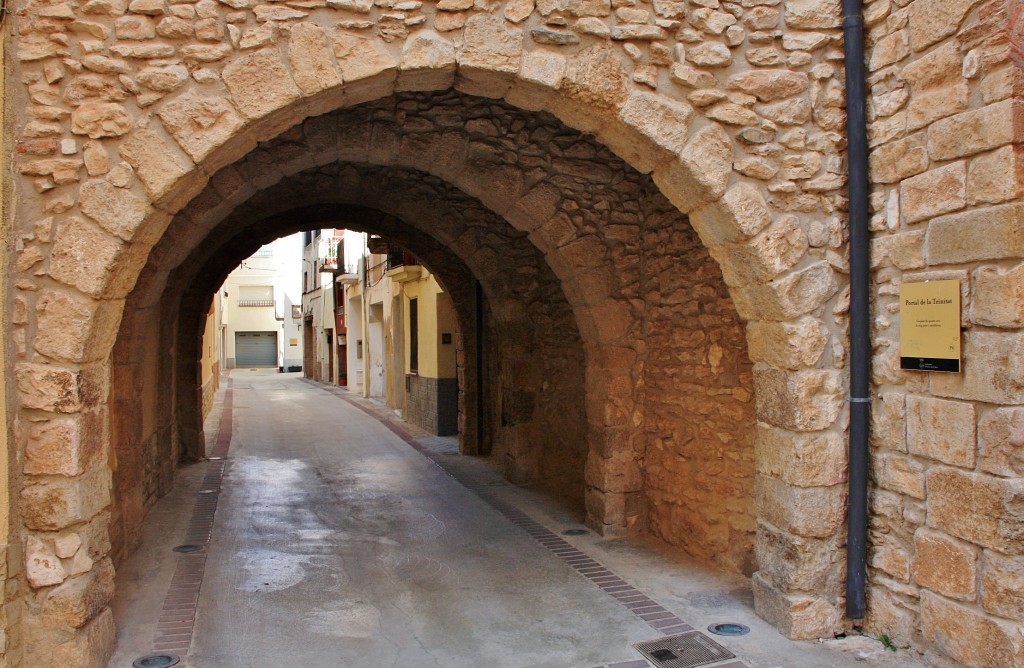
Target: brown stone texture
{"x":969,"y":636}
{"x":980,"y":508}
{"x":945,"y":565}
{"x":941,"y":430}
{"x":1001,"y":442}
{"x":1002,"y":585}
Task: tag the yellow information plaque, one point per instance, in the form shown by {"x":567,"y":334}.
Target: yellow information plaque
{"x":930,"y":326}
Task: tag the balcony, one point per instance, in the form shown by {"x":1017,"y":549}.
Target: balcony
{"x":402,"y":266}
{"x":249,"y":303}
{"x":328,"y":255}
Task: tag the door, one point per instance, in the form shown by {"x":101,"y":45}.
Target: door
{"x":255,"y":349}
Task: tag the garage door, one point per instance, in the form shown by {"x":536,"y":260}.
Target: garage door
{"x":255,"y":349}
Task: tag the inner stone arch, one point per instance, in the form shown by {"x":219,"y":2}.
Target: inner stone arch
{"x":652,"y":309}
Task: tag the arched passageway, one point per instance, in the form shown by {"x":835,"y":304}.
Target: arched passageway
{"x":621,"y":372}
{"x":682,"y":462}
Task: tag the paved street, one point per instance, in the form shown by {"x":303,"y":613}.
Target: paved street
{"x":337,"y":542}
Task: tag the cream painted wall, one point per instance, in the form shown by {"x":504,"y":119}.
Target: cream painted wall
{"x":436,"y":316}
{"x":282,"y":271}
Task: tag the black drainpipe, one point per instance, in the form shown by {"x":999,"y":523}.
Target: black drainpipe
{"x":860,"y":343}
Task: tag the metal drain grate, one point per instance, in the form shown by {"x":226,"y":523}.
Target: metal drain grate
{"x":685,"y":650}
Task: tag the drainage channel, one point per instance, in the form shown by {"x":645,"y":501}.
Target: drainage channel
{"x":178,"y":613}
{"x":654,"y":614}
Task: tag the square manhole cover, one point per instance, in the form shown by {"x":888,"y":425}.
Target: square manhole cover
{"x":684,"y":650}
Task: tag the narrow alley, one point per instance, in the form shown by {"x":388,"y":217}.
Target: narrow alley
{"x":340,"y":538}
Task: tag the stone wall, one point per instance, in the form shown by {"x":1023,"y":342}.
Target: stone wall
{"x":143,"y":150}
{"x":432,"y":404}
{"x":947,"y":530}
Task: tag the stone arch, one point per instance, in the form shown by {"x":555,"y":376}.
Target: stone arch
{"x":777,"y":253}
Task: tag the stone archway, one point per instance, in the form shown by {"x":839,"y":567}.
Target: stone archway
{"x":85,"y":245}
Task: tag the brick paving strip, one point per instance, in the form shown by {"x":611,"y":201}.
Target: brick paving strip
{"x":654,"y":614}
{"x":178,"y":614}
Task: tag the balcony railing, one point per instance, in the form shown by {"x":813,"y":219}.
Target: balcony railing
{"x":400,"y":258}
{"x":328,"y":255}
{"x":255,"y":302}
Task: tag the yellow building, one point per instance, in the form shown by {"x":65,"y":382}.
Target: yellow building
{"x":401,"y":335}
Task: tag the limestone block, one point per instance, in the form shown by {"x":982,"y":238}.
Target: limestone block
{"x":932,"y":20}
{"x":64,"y":323}
{"x":888,"y":555}
{"x":163,"y":78}
{"x":975,"y":131}
{"x":309,"y":52}
{"x":998,"y":297}
{"x":199,"y":123}
{"x":709,"y":54}
{"x":701,"y":176}
{"x":491,"y":54}
{"x":889,"y":49}
{"x":996,"y":177}
{"x":811,"y":512}
{"x":787,"y":345}
{"x":985,"y":510}
{"x":982,"y":234}
{"x":428,"y":62}
{"x":80,"y":599}
{"x":941,"y":430}
{"x":48,"y":388}
{"x":66,"y":546}
{"x":903,"y":250}
{"x":891,"y":614}
{"x":808,"y":400}
{"x":797,"y":616}
{"x":614,"y":474}
{"x":595,"y":87}
{"x":898,"y":160}
{"x":160,"y":166}
{"x":995,"y":373}
{"x":813,"y":14}
{"x":935,"y":192}
{"x":56,"y":504}
{"x":791,"y":562}
{"x":816,"y":459}
{"x":540,"y":75}
{"x":741,"y":214}
{"x":260,"y":83}
{"x":368,"y":67}
{"x":775,"y":250}
{"x":653,"y":129}
{"x":42,"y":567}
{"x":116,"y":210}
{"x":932,"y":98}
{"x":969,"y":636}
{"x":770,"y":85}
{"x":92,"y":647}
{"x":945,"y":565}
{"x":101,"y":119}
{"x":63,"y":446}
{"x":1002,"y":585}
{"x":788,"y":297}
{"x":1001,"y":441}
{"x":898,"y":473}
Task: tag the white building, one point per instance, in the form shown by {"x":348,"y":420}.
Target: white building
{"x":261,"y":319}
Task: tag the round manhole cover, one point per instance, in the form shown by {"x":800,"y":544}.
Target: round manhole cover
{"x":729,"y":629}
{"x":156,"y":661}
{"x":184,"y":549}
{"x":575,"y":532}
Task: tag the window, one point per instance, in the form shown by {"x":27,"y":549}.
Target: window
{"x":414,"y":338}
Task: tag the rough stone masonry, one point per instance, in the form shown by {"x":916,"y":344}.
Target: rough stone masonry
{"x":678,"y":166}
